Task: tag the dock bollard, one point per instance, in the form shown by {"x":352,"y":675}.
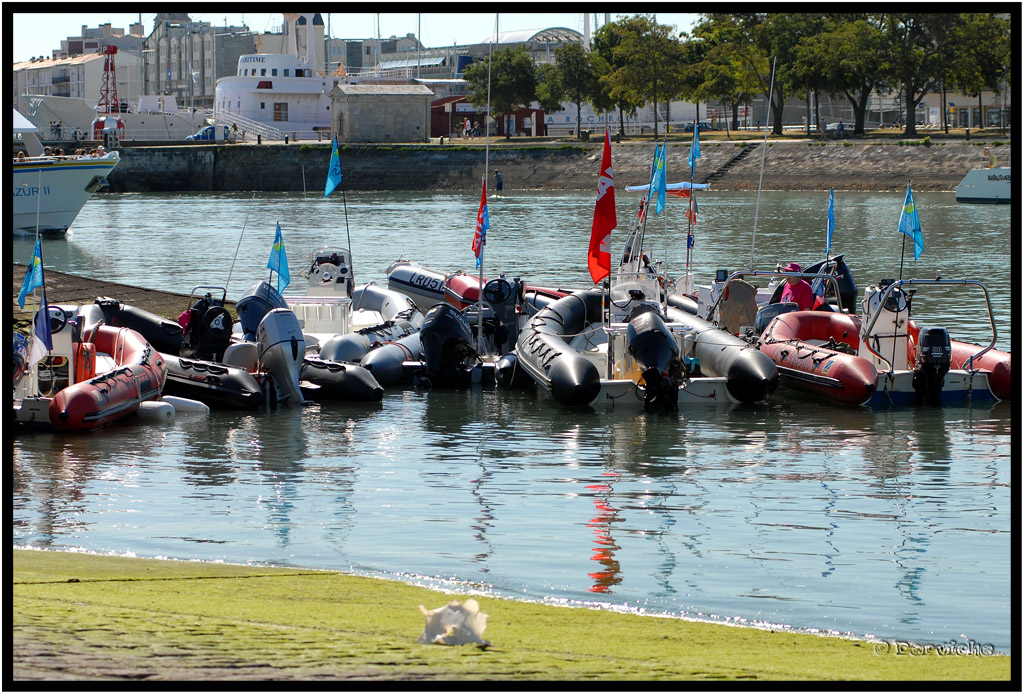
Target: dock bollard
{"x":259,"y":139}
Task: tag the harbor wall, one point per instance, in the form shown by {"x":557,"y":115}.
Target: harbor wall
{"x":800,"y":165}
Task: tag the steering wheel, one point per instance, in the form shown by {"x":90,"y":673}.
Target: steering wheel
{"x":58,"y":319}
{"x":217,"y":323}
{"x":326,"y":273}
{"x":497,"y":292}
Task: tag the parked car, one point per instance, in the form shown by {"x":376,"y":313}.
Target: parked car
{"x":704,"y":126}
{"x":207,"y":132}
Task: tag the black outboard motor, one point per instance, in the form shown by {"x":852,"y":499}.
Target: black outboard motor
{"x":652,"y":346}
{"x":257,"y":301}
{"x":209,"y":330}
{"x":447,"y":342}
{"x":844,"y":278}
{"x":934,"y":355}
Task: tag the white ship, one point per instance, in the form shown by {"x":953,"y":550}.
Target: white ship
{"x":985,"y":185}
{"x":53,"y":189}
{"x":284,"y":92}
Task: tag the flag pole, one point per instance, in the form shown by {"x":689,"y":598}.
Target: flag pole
{"x":487,"y":154}
{"x":903,"y":246}
{"x":348,"y":240}
{"x":232,"y":268}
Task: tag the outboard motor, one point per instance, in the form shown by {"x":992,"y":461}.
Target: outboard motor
{"x":503,"y":296}
{"x":447,"y":343}
{"x":208,"y":332}
{"x":20,"y":357}
{"x":652,"y":346}
{"x":256,"y":302}
{"x":934,"y":355}
{"x":281,"y":351}
{"x":844,"y":278}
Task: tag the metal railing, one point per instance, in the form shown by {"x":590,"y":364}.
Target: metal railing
{"x":248,"y":129}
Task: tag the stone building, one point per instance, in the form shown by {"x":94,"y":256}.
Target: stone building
{"x":381,"y":112}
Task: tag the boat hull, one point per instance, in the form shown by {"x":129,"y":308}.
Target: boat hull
{"x":57,"y":188}
{"x":985,"y":186}
{"x":324,"y":380}
{"x":96,"y":402}
{"x":815,"y":369}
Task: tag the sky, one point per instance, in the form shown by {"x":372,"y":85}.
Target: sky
{"x":38,"y":34}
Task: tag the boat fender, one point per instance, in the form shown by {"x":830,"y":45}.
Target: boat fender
{"x":85,"y":361}
{"x":188,"y":405}
{"x":156,"y":411}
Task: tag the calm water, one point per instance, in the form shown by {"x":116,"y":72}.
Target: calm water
{"x":894,"y":524}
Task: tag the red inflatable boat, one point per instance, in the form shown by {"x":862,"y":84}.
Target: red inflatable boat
{"x":822,"y":367}
{"x":95,"y":400}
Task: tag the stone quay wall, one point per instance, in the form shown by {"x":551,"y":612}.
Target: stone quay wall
{"x":788,"y":165}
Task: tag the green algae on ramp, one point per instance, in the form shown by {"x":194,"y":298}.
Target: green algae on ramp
{"x":82,"y":616}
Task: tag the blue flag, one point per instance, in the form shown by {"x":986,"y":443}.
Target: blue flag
{"x":659,"y":177}
{"x":42,"y":338}
{"x":910,"y":224}
{"x":694,"y":148}
{"x":33,"y":276}
{"x":279,"y":261}
{"x":831,"y":221}
{"x":333,"y":171}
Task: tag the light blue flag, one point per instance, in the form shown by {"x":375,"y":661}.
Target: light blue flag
{"x":659,"y":174}
{"x":694,"y":148}
{"x":279,"y":261}
{"x":333,"y":171}
{"x":33,"y":276}
{"x":831,"y":220}
{"x":910,"y":224}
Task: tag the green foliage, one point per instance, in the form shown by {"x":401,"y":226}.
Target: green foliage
{"x":508,"y":75}
{"x":647,"y":63}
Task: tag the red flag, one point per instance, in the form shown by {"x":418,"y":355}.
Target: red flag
{"x":599,"y":259}
{"x":680,"y":193}
{"x":691,"y":213}
{"x":483,"y":223}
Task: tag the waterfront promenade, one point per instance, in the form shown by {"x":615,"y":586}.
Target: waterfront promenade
{"x":791,"y":163}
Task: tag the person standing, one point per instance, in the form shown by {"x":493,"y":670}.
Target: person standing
{"x":497,"y":181}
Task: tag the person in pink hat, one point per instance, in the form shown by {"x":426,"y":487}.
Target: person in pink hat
{"x":797,"y":289}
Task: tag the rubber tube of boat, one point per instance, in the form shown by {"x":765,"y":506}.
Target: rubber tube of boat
{"x":347,"y":382}
{"x":574,"y":380}
{"x":385,"y":362}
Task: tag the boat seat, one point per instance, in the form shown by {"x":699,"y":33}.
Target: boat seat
{"x":244,"y":355}
{"x":738,"y":307}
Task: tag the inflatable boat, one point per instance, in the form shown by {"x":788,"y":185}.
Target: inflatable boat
{"x":641,"y":357}
{"x":95,"y":374}
{"x":883,"y":358}
{"x":204,"y":360}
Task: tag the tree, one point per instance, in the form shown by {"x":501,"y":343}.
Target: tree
{"x":912,"y":59}
{"x":714,"y":70}
{"x":513,"y":82}
{"x":983,"y":59}
{"x":606,"y":40}
{"x":851,"y":50}
{"x":577,"y":76}
{"x":648,"y":62}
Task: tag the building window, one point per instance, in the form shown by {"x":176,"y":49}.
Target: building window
{"x":286,"y":72}
{"x":263,"y":105}
{"x":280,"y":112}
{"x":263,"y":71}
{"x":273,"y":72}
